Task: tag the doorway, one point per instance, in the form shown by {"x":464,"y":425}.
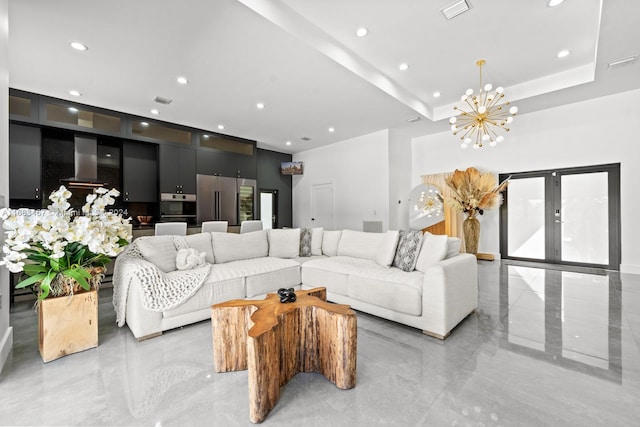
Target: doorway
{"x":564,"y":216}
{"x":269,"y":209}
{"x":322,"y":205}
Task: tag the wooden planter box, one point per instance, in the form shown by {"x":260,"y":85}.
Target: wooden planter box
{"x":67,"y":325}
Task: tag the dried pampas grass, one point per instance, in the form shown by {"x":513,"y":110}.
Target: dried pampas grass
{"x":474,"y":191}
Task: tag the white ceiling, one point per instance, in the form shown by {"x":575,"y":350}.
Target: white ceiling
{"x":302,"y":59}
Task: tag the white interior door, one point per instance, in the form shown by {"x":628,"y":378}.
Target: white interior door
{"x":322,"y":205}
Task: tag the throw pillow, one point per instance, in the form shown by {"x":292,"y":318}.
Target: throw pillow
{"x":330,"y":241}
{"x":316,"y":241}
{"x":409,"y":246}
{"x":387,"y":248}
{"x":453,"y":247}
{"x":434,"y":249}
{"x":229,"y":247}
{"x":188,"y":259}
{"x":284,"y":243}
{"x":202,"y":243}
{"x":158,"y":250}
{"x":305,"y":242}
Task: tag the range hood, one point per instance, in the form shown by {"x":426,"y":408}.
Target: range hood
{"x":85,"y":164}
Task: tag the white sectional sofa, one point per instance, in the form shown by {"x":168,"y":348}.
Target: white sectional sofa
{"x":164,"y":282}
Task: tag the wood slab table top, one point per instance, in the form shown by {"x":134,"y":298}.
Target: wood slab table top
{"x":275,"y":341}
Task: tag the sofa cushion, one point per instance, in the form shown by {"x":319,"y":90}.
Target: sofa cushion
{"x":387,"y":249}
{"x":284,"y":243}
{"x":211,"y":292}
{"x":158,"y":250}
{"x":453,"y":247}
{"x":305,"y":242}
{"x":316,"y":241}
{"x":202,"y":243}
{"x":409,"y":245}
{"x":229,"y":247}
{"x":390,"y":288}
{"x":378,"y":247}
{"x":434,"y":249}
{"x":330,"y":241}
{"x":332,"y":272}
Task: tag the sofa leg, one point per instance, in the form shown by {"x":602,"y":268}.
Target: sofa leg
{"x":146,"y":337}
{"x":442,"y":337}
{"x":434,"y":335}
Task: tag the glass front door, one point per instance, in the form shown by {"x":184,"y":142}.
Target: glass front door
{"x":566,"y":216}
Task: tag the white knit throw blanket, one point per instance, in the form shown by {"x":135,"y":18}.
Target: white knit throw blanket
{"x":160,"y":291}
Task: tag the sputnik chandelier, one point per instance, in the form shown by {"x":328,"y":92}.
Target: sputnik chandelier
{"x":487,"y":115}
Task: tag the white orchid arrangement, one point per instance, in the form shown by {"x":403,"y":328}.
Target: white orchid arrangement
{"x":58,"y":242}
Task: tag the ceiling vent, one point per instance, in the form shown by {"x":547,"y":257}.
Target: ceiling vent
{"x":455,"y":9}
{"x":622,"y":62}
{"x":305,"y":138}
{"x":161,"y":100}
{"x":414,"y":119}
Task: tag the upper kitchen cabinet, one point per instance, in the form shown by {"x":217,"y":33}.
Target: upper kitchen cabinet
{"x":66,"y":115}
{"x":177,"y":169}
{"x":139,"y":172}
{"x":25,"y":154}
{"x":226,"y":156}
{"x":23,"y":106}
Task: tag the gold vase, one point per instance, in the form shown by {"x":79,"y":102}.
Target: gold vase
{"x":471,"y":230}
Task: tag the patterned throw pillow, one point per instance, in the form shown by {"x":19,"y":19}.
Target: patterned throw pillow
{"x":408,"y":249}
{"x":305,"y":242}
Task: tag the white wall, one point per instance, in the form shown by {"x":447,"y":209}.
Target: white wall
{"x":399,"y":180}
{"x":6,"y":336}
{"x":599,"y":131}
{"x":359,"y":169}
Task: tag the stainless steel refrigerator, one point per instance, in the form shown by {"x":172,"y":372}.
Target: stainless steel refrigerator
{"x":222,"y":198}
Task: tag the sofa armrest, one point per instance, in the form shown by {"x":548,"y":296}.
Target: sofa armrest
{"x":449,"y":293}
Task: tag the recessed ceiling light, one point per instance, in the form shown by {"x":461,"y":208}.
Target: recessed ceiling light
{"x":154,"y":111}
{"x":553,"y":3}
{"x":79,"y":46}
{"x":332,"y":130}
{"x":221,"y":127}
{"x":362,"y":32}
{"x":108,"y":154}
{"x":403,"y":67}
{"x":182,"y":80}
{"x":144,"y":123}
{"x":74,"y":93}
{"x":563,"y":53}
{"x":259,"y":105}
{"x":287,"y":143}
{"x":436,"y":94}
{"x":205,"y":136}
{"x":73,"y":109}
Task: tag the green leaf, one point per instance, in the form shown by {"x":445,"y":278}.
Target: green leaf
{"x":31,"y":269}
{"x":55,"y":264}
{"x":75,"y":274}
{"x":31,"y":280}
{"x":45,"y":285}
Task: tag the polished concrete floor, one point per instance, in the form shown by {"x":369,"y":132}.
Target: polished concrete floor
{"x":545,"y":348}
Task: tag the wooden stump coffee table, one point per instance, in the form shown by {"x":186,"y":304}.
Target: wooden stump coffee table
{"x":275,"y":341}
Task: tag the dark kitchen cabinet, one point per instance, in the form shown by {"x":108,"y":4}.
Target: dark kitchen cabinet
{"x":139,"y":172}
{"x":212,"y":162}
{"x":177,"y":169}
{"x":25,"y":155}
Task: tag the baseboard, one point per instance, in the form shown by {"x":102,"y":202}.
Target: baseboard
{"x":630,"y":268}
{"x":5,"y":346}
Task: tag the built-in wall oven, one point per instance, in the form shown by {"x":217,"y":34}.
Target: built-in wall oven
{"x":178,"y":208}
